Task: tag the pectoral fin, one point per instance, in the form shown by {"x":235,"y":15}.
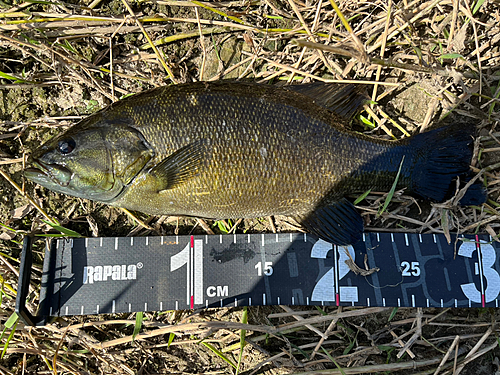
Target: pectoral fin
{"x":338,"y":223}
{"x":179,"y":167}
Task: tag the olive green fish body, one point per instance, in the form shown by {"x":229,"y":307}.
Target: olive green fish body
{"x":265,"y":152}
{"x":237,"y":150}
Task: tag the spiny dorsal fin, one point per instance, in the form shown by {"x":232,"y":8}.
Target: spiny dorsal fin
{"x":182,"y":165}
{"x":343,"y":99}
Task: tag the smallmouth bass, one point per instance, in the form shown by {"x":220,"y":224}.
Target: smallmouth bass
{"x":241,"y":150}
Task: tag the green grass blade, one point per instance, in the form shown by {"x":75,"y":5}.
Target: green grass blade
{"x":393,"y":313}
{"x":8,"y":228}
{"x":301,"y":351}
{"x":5,"y":285}
{"x":362,"y":196}
{"x":450,"y":56}
{"x":2,"y":290}
{"x":492,"y":106}
{"x":477,"y":6}
{"x":321,"y":311}
{"x":65,"y":231}
{"x":12,"y":319}
{"x":368,"y":123}
{"x":393,"y":188}
{"x":138,"y":324}
{"x":11,"y":78}
{"x":333,"y":360}
{"x":170,"y":339}
{"x":243,"y":332}
{"x":222,"y":227}
{"x":219,"y":354}
{"x":15,"y":320}
{"x":216,"y":11}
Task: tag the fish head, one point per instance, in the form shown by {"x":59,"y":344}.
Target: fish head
{"x":95,"y":159}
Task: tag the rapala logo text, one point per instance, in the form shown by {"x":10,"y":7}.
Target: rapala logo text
{"x":93,"y":274}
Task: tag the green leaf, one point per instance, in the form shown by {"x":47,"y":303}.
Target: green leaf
{"x":66,"y":231}
{"x":138,"y":324}
{"x":5,"y":285}
{"x":301,"y":351}
{"x":244,"y":320}
{"x":477,"y":6}
{"x":362,"y":196}
{"x":12,"y":319}
{"x":171,"y":338}
{"x":393,"y":313}
{"x":448,"y":56}
{"x":393,"y":189}
{"x":80,"y":351}
{"x":351,"y":341}
{"x":67,"y":45}
{"x":492,"y":106}
{"x":220,"y":354}
{"x":127,"y":95}
{"x":92,"y":105}
{"x":367,"y":122}
{"x":7,"y":76}
{"x":222,"y":227}
{"x":9,"y":228}
{"x":12,"y":78}
{"x":11,"y":335}
{"x":349,"y":347}
{"x":273,"y":17}
{"x":418,"y":52}
{"x":29,"y":39}
{"x":215,"y":48}
{"x":320,"y":310}
{"x":333,"y":360}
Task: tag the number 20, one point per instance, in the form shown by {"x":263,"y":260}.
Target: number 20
{"x":415,"y":269}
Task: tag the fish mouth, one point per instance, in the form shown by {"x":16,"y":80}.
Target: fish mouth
{"x":45,"y":174}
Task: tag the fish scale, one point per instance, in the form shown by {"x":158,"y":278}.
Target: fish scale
{"x":241,"y":150}
{"x":238,"y":171}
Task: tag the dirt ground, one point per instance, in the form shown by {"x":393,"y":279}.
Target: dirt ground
{"x":61,"y":61}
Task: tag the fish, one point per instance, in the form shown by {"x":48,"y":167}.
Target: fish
{"x":244,"y":150}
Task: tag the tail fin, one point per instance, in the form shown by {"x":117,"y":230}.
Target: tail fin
{"x":440,"y":156}
{"x":476,"y":194}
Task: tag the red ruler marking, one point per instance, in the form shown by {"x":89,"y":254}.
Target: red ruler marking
{"x":480,"y":260}
{"x":191,"y":263}
{"x":336,"y":275}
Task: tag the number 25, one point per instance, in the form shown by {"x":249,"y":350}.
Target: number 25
{"x":415,"y":269}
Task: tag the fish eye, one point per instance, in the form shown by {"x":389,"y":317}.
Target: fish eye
{"x":66,"y":146}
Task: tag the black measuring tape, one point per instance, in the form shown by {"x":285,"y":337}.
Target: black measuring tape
{"x":85,"y":276}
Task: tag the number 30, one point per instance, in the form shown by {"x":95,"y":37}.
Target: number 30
{"x":492,"y":278}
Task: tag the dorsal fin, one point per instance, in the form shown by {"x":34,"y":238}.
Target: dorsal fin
{"x":343,"y":99}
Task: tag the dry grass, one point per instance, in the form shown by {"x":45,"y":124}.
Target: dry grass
{"x":421,"y":60}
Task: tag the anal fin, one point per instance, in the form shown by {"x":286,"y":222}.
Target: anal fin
{"x":338,"y":223}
